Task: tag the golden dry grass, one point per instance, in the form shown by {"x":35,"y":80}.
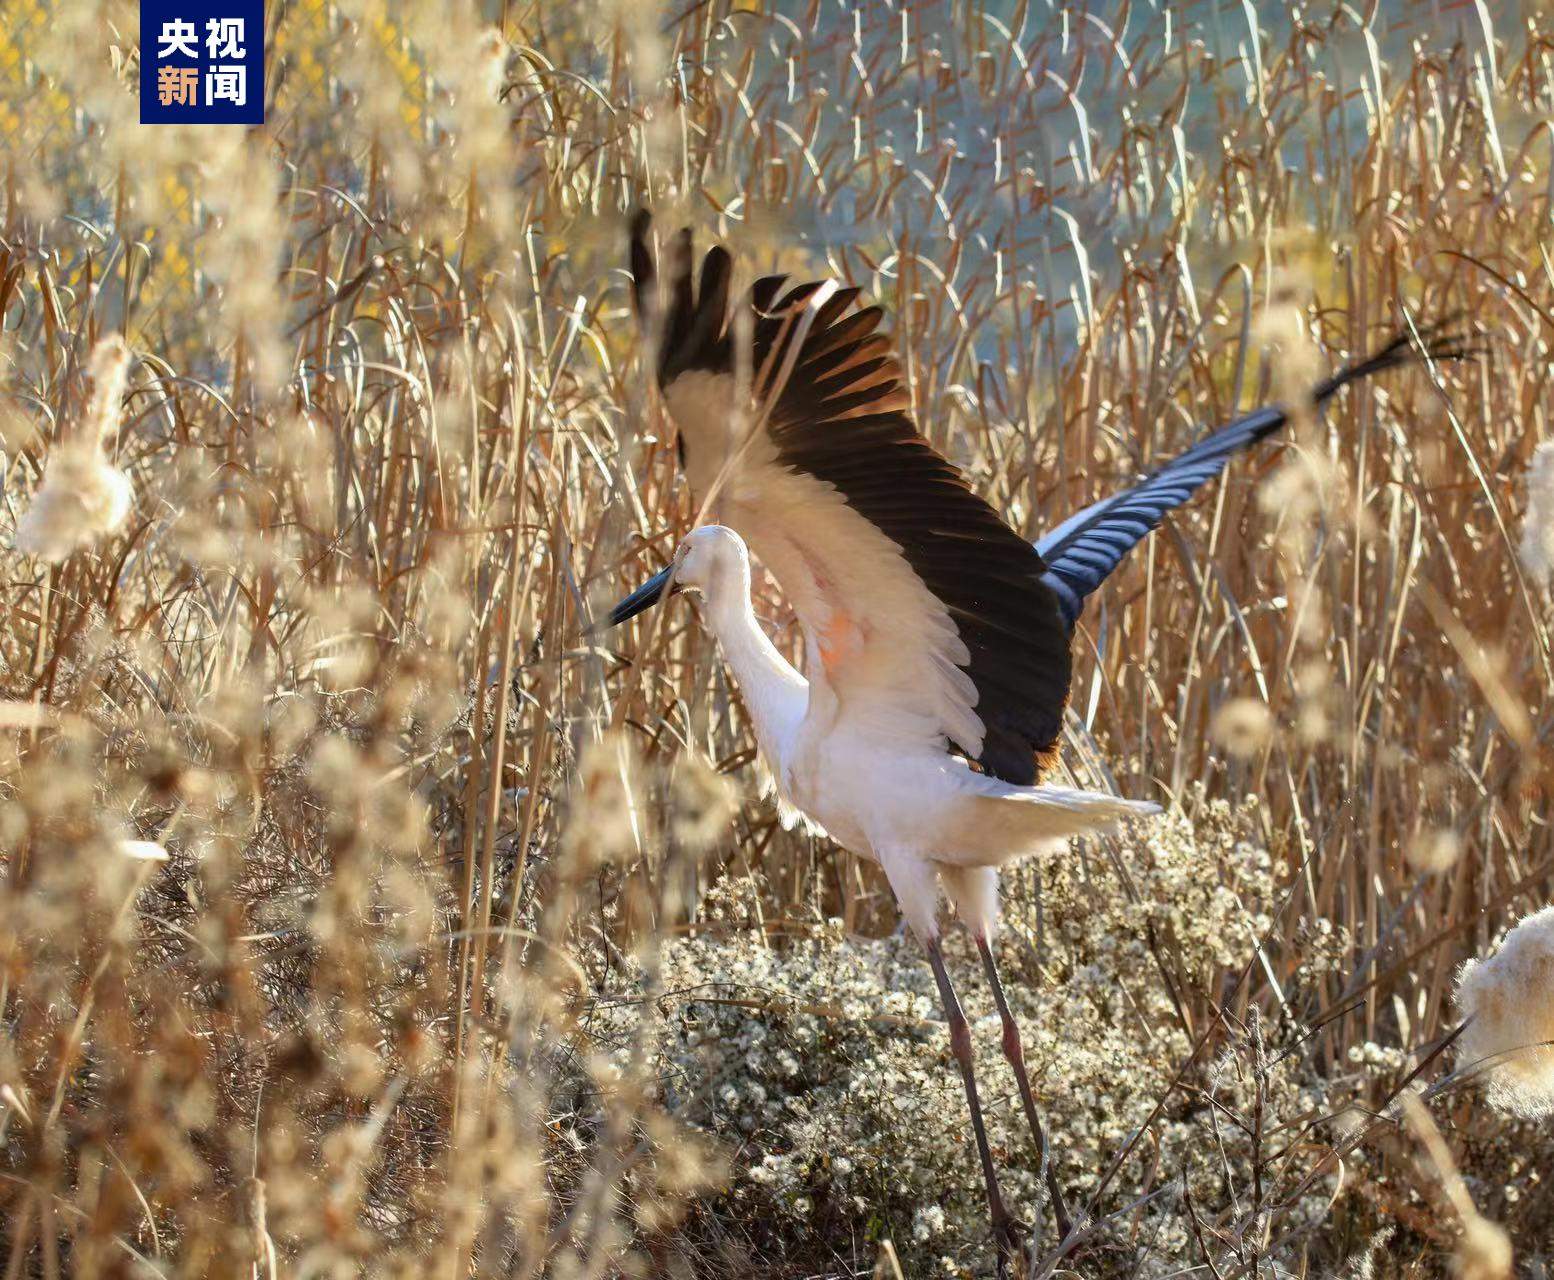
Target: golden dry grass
{"x":392,"y":449}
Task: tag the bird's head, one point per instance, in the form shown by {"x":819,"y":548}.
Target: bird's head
{"x":711,"y":561}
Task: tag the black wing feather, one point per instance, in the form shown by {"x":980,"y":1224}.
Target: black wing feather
{"x":835,"y":419}
{"x":1082,"y":552}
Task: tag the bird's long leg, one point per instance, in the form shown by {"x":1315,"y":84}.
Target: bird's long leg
{"x":1005,"y":1232}
{"x":1015,"y":1053}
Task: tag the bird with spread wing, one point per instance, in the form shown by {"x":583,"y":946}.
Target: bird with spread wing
{"x":937,"y":639}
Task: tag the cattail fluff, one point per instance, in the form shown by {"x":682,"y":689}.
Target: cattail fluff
{"x":1538,"y":529}
{"x":1483,"y":1252}
{"x":1242,"y":726}
{"x":83,"y":496}
{"x":1508,"y":998}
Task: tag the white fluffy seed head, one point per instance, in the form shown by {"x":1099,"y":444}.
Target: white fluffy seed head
{"x":109,"y":370}
{"x":1242,"y":726}
{"x":81,"y":499}
{"x":83,"y":496}
{"x":1483,"y":1252}
{"x":1434,"y":851}
{"x":1538,"y":530}
{"x":1508,"y":997}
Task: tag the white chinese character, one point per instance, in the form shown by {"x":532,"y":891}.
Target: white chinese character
{"x":178,"y":36}
{"x":227,"y":84}
{"x":224,"y":38}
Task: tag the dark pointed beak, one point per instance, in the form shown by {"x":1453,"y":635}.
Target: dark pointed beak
{"x":644,"y":597}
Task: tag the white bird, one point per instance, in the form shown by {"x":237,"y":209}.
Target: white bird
{"x":936,"y":639}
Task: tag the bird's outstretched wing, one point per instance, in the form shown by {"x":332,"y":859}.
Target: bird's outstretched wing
{"x":923,"y":610}
{"x":1082,"y":551}
{"x":925,"y":614}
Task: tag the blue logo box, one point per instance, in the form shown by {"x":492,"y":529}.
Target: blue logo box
{"x":201,"y":61}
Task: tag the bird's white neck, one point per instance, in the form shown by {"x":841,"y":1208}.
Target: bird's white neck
{"x":775,"y":694}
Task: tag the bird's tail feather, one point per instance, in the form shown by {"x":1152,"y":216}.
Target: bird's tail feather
{"x":1012,"y":823}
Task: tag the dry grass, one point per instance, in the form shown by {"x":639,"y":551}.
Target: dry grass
{"x":391,"y":450}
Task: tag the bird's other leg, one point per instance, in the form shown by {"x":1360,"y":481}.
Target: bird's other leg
{"x":1005,"y":1230}
{"x":1014,"y":1052}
